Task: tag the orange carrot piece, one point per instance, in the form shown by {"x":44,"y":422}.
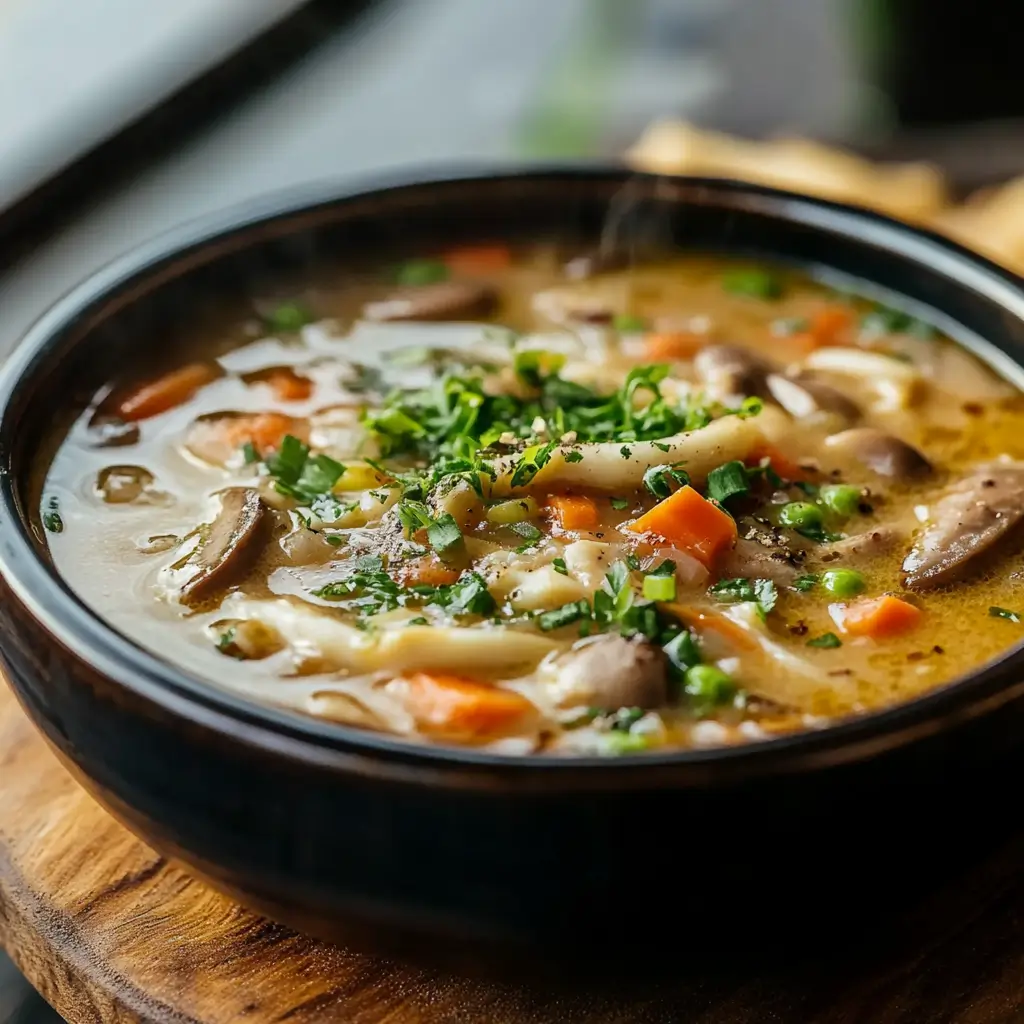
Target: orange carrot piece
{"x":574,"y":511}
{"x":471,"y":259}
{"x":451,"y":704}
{"x":691,"y":523}
{"x":828,"y":324}
{"x":263,"y":430}
{"x":428,"y":571}
{"x":671,"y":346}
{"x":782,"y":464}
{"x":288,"y":385}
{"x":877,"y":617}
{"x":166,"y":392}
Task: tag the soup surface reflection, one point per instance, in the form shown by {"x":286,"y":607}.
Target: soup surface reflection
{"x":556,"y":505}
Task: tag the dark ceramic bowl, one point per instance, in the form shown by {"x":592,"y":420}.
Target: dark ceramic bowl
{"x":341,"y":832}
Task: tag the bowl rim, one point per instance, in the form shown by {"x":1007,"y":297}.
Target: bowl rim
{"x":70,"y":622}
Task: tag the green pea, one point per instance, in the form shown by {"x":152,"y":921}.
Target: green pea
{"x":842,"y":582}
{"x":709,"y":684}
{"x":801,"y":515}
{"x":421,"y":272}
{"x":843,"y":499}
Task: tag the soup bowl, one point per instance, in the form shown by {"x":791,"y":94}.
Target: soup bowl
{"x":349,"y":834}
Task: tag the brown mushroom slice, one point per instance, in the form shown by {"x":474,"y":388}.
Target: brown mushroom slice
{"x":863,"y":545}
{"x":880,"y":452}
{"x":803,"y":396}
{"x":445,"y":300}
{"x":732,"y":371}
{"x":612,"y":672}
{"x":755,"y":560}
{"x":973,"y":516}
{"x":228,"y":544}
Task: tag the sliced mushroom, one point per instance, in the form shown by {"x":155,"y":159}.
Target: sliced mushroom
{"x":228,"y":544}
{"x":972,"y":516}
{"x":803,"y":396}
{"x":872,"y":542}
{"x":612,"y":672}
{"x":732,"y":371}
{"x":880,"y":452}
{"x":755,"y":560}
{"x":445,"y":300}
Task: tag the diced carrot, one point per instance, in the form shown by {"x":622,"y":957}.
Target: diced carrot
{"x":288,"y":384}
{"x":574,"y":511}
{"x":166,"y":392}
{"x":826,"y":327}
{"x":877,"y":617}
{"x":691,"y":523}
{"x":263,"y":430}
{"x":428,"y":571}
{"x":782,"y":464}
{"x":669,"y":346}
{"x":471,"y":259}
{"x":700,"y":620}
{"x":828,"y":324}
{"x":451,"y":704}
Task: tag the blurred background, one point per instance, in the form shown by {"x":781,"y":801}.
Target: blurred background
{"x":121,"y":119}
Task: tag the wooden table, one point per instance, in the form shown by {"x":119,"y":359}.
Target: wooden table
{"x":108,"y":931}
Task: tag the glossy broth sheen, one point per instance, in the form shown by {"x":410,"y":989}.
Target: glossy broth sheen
{"x":439,"y":527}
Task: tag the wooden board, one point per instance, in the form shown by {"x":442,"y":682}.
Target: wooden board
{"x":109,"y":931}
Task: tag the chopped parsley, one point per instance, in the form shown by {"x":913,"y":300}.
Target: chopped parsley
{"x":420,"y":272}
{"x":826,"y":640}
{"x":560,"y":567}
{"x":729,"y":480}
{"x":300,"y":475}
{"x":808,"y":581}
{"x":52,"y":520}
{"x":886,"y":320}
{"x":762,"y":593}
{"x":249,"y":453}
{"x":443,"y":533}
{"x":1004,"y":613}
{"x":288,"y":317}
{"x":755,"y":283}
{"x":619,"y":503}
{"x":659,"y":481}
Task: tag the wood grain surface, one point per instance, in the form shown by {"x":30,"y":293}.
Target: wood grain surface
{"x":108,"y":931}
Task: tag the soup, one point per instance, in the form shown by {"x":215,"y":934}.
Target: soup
{"x":541,"y":504}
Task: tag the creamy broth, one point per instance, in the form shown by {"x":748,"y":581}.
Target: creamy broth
{"x":499,"y":499}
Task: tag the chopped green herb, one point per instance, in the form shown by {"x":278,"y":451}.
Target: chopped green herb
{"x":728,"y":481}
{"x":52,"y":520}
{"x":300,"y":475}
{"x":625,"y":452}
{"x":885,"y":320}
{"x":574,"y":456}
{"x":288,"y":317}
{"x":808,"y":581}
{"x":1004,"y":613}
{"x":531,"y":366}
{"x":619,"y":503}
{"x":659,"y":480}
{"x":825,"y":640}
{"x":763,"y":593}
{"x":420,"y":272}
{"x":444,"y":535}
{"x":249,"y":453}
{"x":632,"y":562}
{"x":754,"y":283}
{"x":682,"y":651}
{"x":619,"y":743}
{"x":420,"y":620}
{"x":628,"y":323}
{"x":564,"y":616}
{"x":560,"y":567}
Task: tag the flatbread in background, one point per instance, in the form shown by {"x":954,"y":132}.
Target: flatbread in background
{"x":991,"y":221}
